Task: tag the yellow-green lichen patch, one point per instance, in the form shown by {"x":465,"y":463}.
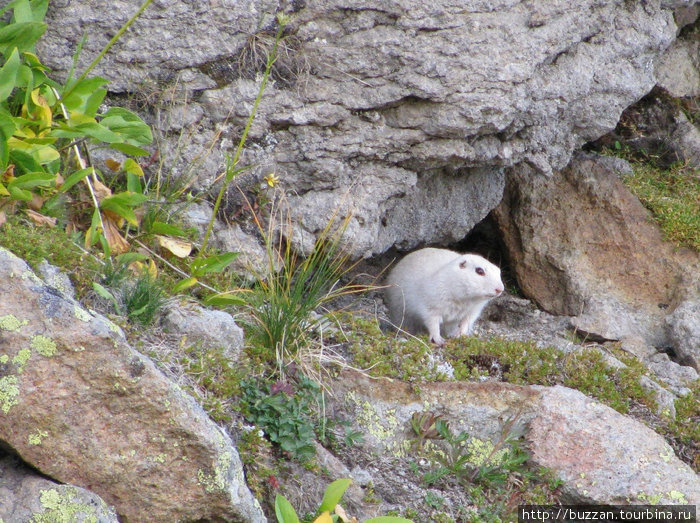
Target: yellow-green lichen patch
{"x":82,"y":314}
{"x":216,"y":481}
{"x":35,"y":439}
{"x":9,"y":391}
{"x":63,"y":508}
{"x":44,"y":345}
{"x":677,"y":497}
{"x":21,"y":359}
{"x":383,"y":428}
{"x":483,"y":452}
{"x":4,"y":359}
{"x":10,"y":323}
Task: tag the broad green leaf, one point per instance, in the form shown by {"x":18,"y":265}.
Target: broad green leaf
{"x":284,"y":511}
{"x":127,"y":124}
{"x":30,"y":156}
{"x":213,"y":264}
{"x":11,"y":5}
{"x":166,"y":228}
{"x":131,"y":166}
{"x":99,"y":132}
{"x":133,"y":183}
{"x":20,"y":155}
{"x":128,"y":199}
{"x":32,"y":180}
{"x":74,"y":178}
{"x":23,"y":12}
{"x":122,"y":205}
{"x":3,"y":190}
{"x":8,"y":75}
{"x":102,"y":291}
{"x":131,"y":257}
{"x":127,"y":148}
{"x":19,"y":194}
{"x":185,"y":284}
{"x":224,"y":299}
{"x":120,"y":210}
{"x":87,"y":96}
{"x":21,"y":36}
{"x":7,"y":129}
{"x":334,"y":492}
{"x":39,"y":8}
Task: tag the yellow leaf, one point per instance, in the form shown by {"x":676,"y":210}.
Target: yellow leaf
{"x":324,"y":518}
{"x":178,"y":247}
{"x":42,"y":113}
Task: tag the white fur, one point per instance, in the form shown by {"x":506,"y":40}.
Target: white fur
{"x":438,"y":289}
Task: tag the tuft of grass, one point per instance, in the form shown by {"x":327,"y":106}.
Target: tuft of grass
{"x":143,"y":299}
{"x":283,"y":304}
{"x":673,"y":197}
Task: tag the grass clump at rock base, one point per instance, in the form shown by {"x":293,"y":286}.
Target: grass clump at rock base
{"x":673,"y":197}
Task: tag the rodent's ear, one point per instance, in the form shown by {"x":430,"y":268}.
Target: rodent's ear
{"x":463,"y":264}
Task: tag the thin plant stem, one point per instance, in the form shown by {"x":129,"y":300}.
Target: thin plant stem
{"x":109,"y":45}
{"x":231,"y":164}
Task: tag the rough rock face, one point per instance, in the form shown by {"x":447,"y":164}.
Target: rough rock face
{"x":603,"y":456}
{"x":684,"y":332}
{"x":210,"y":328}
{"x":582,"y":245}
{"x":402,"y":113}
{"x":84,"y":408}
{"x":26,"y":496}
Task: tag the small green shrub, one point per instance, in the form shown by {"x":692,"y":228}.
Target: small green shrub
{"x":285,"y":412}
{"x":44,"y":124}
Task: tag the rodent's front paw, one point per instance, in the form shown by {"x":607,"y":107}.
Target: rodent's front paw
{"x":439,"y":340}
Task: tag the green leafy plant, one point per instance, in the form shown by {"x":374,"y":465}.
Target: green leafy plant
{"x":475,"y":461}
{"x":284,"y":412}
{"x":329,"y":511}
{"x":44,"y":124}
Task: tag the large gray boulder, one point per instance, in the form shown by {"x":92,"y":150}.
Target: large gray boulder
{"x":401,"y":113}
{"x":81,"y":406}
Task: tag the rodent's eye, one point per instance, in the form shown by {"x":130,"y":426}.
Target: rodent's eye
{"x":480,"y":271}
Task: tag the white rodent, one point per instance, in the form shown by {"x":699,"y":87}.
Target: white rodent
{"x":433,"y":288}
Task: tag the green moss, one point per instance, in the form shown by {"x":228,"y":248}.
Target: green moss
{"x":34,"y":244}
{"x":388,"y":355}
{"x":520,"y":362}
{"x":9,"y":391}
{"x":44,"y":345}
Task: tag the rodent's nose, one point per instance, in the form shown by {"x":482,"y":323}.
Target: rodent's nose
{"x":499,"y":290}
